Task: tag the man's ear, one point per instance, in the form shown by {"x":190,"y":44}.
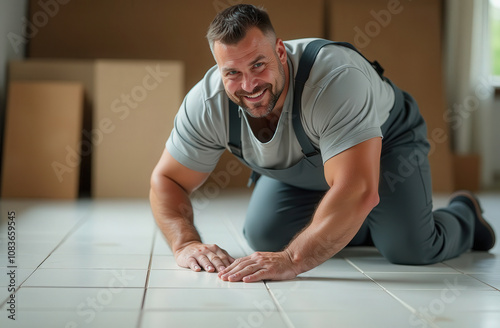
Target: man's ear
{"x":281,"y":50}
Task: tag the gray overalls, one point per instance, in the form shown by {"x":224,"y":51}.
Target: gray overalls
{"x":403,"y":226}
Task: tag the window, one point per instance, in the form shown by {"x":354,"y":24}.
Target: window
{"x":495,"y":39}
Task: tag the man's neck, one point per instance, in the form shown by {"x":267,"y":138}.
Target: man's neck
{"x":278,"y":108}
{"x":265,"y":127}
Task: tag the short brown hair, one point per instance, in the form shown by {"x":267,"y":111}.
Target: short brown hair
{"x":231,"y":25}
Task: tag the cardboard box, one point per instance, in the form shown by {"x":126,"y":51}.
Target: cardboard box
{"x":42,"y":140}
{"x":79,"y":71}
{"x":134,"y":110}
{"x":405,"y":37}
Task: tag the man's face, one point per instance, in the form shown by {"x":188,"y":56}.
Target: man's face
{"x":253,"y":72}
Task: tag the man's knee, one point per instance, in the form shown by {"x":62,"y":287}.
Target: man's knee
{"x":407,"y":254}
{"x":264,"y":240}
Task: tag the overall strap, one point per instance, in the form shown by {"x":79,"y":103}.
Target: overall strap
{"x":234,"y":130}
{"x":235,"y":138}
{"x":305,"y":64}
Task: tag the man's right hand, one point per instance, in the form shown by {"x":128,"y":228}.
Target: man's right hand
{"x":196,"y":255}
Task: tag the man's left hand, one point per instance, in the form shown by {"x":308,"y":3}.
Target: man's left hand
{"x":260,"y":266}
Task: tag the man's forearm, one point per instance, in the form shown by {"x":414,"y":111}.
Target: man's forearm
{"x":173,"y":213}
{"x":337,"y":220}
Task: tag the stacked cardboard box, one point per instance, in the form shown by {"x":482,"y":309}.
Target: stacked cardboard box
{"x":132,"y":105}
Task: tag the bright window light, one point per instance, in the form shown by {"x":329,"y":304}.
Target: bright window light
{"x":495,"y":37}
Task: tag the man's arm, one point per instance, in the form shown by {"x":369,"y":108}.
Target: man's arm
{"x":353,"y":176}
{"x":171,"y":185}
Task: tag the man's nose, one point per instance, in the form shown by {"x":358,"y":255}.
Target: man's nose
{"x":249,"y":83}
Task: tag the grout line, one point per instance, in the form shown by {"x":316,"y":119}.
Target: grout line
{"x":281,"y":311}
{"x":241,"y":242}
{"x":353,"y":265}
{"x":234,"y":233}
{"x":139,"y":319}
{"x":487,"y":284}
{"x":406,"y":305}
{"x":449,"y":266}
{"x":470,"y":275}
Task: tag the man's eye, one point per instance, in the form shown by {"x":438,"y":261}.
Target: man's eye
{"x":258,"y":65}
{"x":232,"y":73}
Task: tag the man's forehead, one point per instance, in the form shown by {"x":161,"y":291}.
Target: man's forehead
{"x":247,"y":50}
{"x":249,"y":61}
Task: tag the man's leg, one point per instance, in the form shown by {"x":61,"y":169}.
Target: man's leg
{"x":403,"y":226}
{"x":278,"y":211}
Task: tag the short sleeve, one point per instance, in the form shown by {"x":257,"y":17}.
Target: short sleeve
{"x":198,"y":138}
{"x":345,"y":113}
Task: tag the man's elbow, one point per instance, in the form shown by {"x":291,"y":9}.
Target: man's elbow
{"x":369,"y":199}
{"x":154,"y":181}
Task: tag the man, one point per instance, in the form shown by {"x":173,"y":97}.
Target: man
{"x":328,"y":143}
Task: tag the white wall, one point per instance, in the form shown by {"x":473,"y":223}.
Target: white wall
{"x":13,"y":15}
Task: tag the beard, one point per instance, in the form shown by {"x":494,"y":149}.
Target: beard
{"x":274,"y":95}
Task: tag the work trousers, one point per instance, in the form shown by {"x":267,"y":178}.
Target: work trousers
{"x":403,"y":226}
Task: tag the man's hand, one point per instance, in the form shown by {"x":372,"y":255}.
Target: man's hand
{"x":196,"y":256}
{"x":260,"y":266}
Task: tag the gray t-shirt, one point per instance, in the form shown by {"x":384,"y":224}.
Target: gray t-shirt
{"x":344,"y":103}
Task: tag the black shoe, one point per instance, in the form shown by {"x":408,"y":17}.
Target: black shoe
{"x":484,"y":236}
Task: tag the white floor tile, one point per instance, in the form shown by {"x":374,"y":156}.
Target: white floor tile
{"x":328,"y":299}
{"x":161,"y":247}
{"x":19,"y":276}
{"x":177,"y":299}
{"x":479,"y":319}
{"x":24,"y":246}
{"x":334,"y":281}
{"x":437,"y":302}
{"x":78,"y":299}
{"x":453,"y":308}
{"x":492,"y":279}
{"x":138,"y":246}
{"x":330,"y":267}
{"x":416,"y":281}
{"x":96,"y":261}
{"x":353,"y":318}
{"x":164,"y":262}
{"x":476,"y":262}
{"x":380,"y":264}
{"x":232,"y":319}
{"x":115,"y":279}
{"x":23,"y":260}
{"x":87,"y":318}
{"x":112,"y":228}
{"x":185,"y":278}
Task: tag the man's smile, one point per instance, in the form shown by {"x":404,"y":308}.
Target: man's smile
{"x":256,"y":96}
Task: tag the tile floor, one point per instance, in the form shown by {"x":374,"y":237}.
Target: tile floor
{"x":104,"y":264}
